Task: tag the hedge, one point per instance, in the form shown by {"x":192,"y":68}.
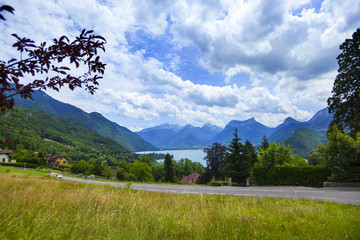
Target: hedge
{"x":20,"y":164}
{"x":312,"y":176}
{"x":217,"y":183}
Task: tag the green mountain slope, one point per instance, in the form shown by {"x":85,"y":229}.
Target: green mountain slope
{"x":304,"y":140}
{"x":38,"y":131}
{"x":94,"y":121}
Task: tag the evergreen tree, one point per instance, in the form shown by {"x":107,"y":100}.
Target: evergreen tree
{"x":264,"y":143}
{"x":250,"y":153}
{"x":168,"y":168}
{"x":215,"y":154}
{"x":237,"y":165}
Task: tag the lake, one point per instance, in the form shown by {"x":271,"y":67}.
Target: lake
{"x":195,"y":155}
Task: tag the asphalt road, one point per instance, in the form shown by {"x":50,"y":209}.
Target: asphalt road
{"x":339,"y":195}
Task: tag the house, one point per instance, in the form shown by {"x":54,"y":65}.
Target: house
{"x":191,"y":179}
{"x":56,"y":160}
{"x":5,"y":156}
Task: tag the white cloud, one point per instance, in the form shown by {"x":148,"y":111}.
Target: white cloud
{"x":287,"y":48}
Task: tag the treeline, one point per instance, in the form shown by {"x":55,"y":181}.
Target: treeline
{"x":237,"y":160}
{"x":147,"y":170}
{"x":274,"y":164}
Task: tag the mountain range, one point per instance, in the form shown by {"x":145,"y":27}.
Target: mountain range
{"x":176,"y":136}
{"x":303,"y":137}
{"x":95,"y":121}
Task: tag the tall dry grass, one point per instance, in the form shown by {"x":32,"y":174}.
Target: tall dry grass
{"x":44,"y":208}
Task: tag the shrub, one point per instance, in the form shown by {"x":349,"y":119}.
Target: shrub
{"x":217,"y":183}
{"x":351,"y":175}
{"x":120,"y":174}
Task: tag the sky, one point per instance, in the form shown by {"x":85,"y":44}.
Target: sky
{"x":197,"y":61}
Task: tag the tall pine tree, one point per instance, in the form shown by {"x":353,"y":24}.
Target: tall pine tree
{"x":168,"y":168}
{"x":264,"y":143}
{"x":215,"y":158}
{"x":237,"y":165}
{"x":250,"y":153}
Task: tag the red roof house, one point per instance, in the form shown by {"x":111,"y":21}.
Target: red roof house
{"x":191,"y":179}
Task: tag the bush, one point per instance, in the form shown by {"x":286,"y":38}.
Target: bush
{"x":120,"y":174}
{"x":217,"y":183}
{"x":291,"y":176}
{"x":352,"y":175}
{"x":20,"y":164}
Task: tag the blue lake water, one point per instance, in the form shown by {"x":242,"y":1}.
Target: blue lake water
{"x":195,"y":155}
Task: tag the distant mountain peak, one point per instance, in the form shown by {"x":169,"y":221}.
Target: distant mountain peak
{"x":237,"y":123}
{"x":251,"y":120}
{"x":188,"y":126}
{"x":208,"y":125}
{"x":168,"y":126}
{"x":289,"y":120}
{"x":322,"y":113}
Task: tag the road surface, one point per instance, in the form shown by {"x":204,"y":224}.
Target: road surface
{"x":339,"y":195}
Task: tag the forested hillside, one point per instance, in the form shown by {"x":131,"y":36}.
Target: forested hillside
{"x":38,"y":131}
{"x":304,"y":141}
{"x":95,"y":121}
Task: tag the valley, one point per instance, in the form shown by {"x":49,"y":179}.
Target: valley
{"x":302,"y":137}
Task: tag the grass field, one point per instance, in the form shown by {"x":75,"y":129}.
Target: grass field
{"x":38,"y":207}
{"x":31,"y":172}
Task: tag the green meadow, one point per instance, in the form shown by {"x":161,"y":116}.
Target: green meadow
{"x":34,"y":206}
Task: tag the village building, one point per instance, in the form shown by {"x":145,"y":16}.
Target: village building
{"x":5,"y":156}
{"x":56,"y":160}
{"x":191,"y":179}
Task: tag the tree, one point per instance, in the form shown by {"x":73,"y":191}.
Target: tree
{"x":98,"y":168}
{"x":186,"y":167}
{"x":250,"y":153}
{"x":296,"y":160}
{"x":341,"y":154}
{"x":237,"y":166}
{"x":120,"y":174}
{"x":215,"y":154}
{"x":168,"y":169}
{"x":276,"y":155}
{"x":279,"y":155}
{"x":157,"y":170}
{"x":107,"y":173}
{"x":40,"y":59}
{"x":81,"y":167}
{"x":345,"y":101}
{"x":145,"y":159}
{"x":141,"y":172}
{"x":264,"y":143}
